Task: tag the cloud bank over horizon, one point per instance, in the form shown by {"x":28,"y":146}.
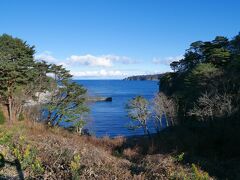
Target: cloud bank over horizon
{"x":102,"y":61}
{"x":109,"y":66}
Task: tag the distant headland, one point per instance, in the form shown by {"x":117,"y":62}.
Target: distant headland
{"x":152,"y":77}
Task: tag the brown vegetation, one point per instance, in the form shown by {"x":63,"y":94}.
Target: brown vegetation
{"x":65,"y":155}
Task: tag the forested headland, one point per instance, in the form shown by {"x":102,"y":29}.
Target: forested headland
{"x":151,"y":77}
{"x":195,"y":114}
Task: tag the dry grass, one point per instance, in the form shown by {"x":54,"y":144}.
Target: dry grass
{"x":100,"y":158}
{"x":131,"y":153}
{"x":57,"y":147}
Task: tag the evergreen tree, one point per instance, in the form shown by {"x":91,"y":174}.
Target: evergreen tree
{"x":67,"y":101}
{"x":16,"y":68}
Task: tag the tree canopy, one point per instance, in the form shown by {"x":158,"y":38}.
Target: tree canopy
{"x":22,"y":78}
{"x":210,"y":67}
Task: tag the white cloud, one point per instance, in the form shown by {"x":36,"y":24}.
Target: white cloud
{"x":102,"y":61}
{"x":167,"y":60}
{"x":46,"y":56}
{"x":98,"y":66}
{"x":100,"y":73}
{"x":90,"y":60}
{"x":87,"y":60}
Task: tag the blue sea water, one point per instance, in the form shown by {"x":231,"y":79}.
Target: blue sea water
{"x":110,"y":118}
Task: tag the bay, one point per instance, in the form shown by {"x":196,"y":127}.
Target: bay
{"x":110,"y":118}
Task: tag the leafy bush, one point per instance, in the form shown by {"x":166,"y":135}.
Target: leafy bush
{"x":27,"y":155}
{"x":195,"y":173}
{"x":5,"y":138}
{"x":204,"y":70}
{"x":198,"y":174}
{"x":37,"y":167}
{"x":180,"y":157}
{"x":2,"y":118}
{"x":75,"y":166}
{"x":179,"y":175}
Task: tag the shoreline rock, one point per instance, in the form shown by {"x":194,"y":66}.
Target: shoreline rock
{"x":99,"y":99}
{"x":42,"y":98}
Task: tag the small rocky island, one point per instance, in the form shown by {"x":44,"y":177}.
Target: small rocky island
{"x":99,"y":99}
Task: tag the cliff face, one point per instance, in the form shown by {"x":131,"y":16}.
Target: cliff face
{"x":154,"y":77}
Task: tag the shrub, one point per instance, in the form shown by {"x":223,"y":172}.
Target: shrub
{"x":198,"y":174}
{"x":37,"y":167}
{"x":75,"y":166}
{"x":180,"y":157}
{"x":21,"y":117}
{"x":5,"y":138}
{"x":27,"y":155}
{"x":195,"y":173}
{"x":179,"y":175}
{"x":2,"y":118}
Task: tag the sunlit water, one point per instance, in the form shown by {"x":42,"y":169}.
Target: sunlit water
{"x":110,"y":118}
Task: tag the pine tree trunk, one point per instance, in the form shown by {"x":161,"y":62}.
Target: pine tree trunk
{"x":19,"y":111}
{"x":79,"y":130}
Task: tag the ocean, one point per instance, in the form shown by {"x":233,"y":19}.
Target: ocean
{"x":110,"y":118}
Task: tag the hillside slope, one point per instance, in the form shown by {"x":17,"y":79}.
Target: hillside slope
{"x":33,"y":150}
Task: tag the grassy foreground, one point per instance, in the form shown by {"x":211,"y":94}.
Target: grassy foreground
{"x":32,"y":150}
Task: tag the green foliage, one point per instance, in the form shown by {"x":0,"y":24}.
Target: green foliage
{"x":5,"y":138}
{"x":205,"y":84}
{"x":22,"y":78}
{"x":204,"y":70}
{"x":197,"y":174}
{"x":180,"y":157}
{"x":67,"y":102}
{"x":207,"y":67}
{"x":2,"y":117}
{"x":37,"y":167}
{"x":75,"y":166}
{"x":174,"y":65}
{"x":16,"y":62}
{"x":27,"y":155}
{"x":200,"y":76}
{"x":79,"y":125}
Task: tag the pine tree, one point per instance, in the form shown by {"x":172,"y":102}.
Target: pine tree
{"x":67,"y":101}
{"x":16,"y":68}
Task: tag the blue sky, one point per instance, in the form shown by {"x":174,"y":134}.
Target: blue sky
{"x":111,"y":39}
